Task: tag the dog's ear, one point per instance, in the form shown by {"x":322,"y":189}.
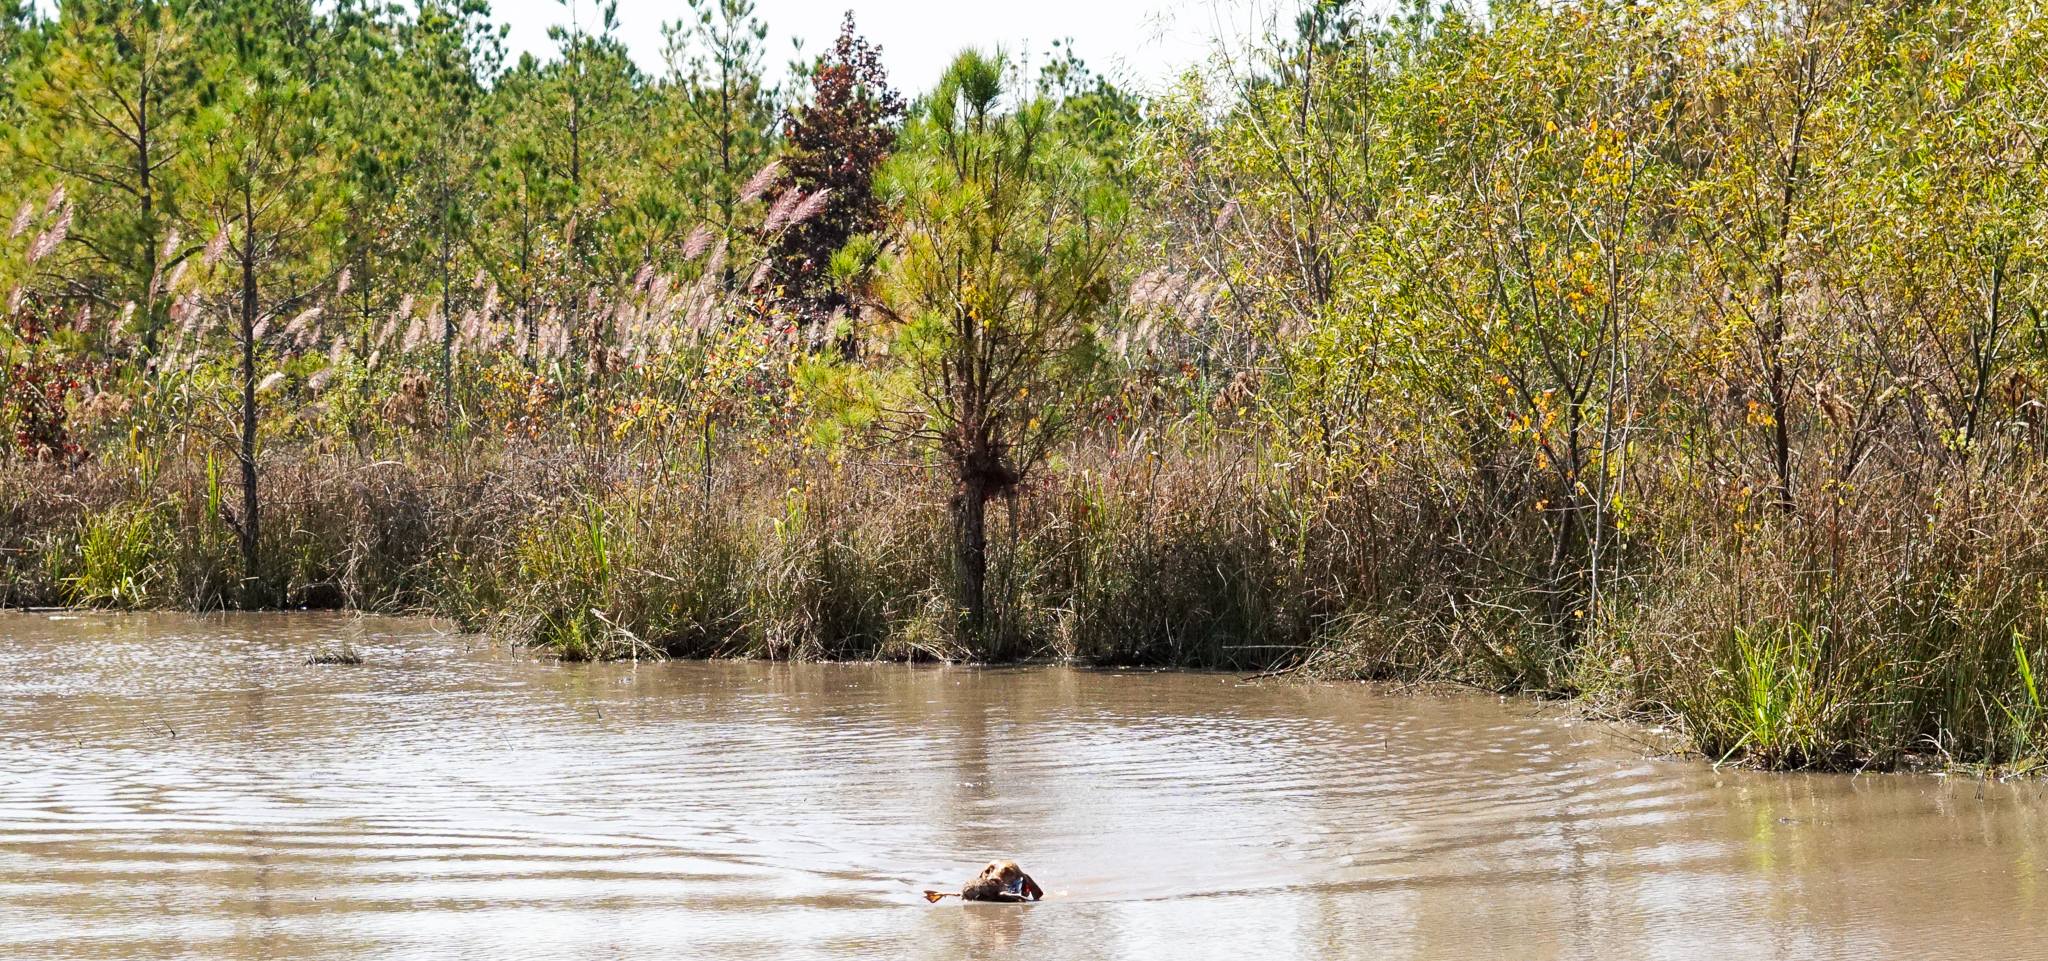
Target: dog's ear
{"x":1031,"y":887}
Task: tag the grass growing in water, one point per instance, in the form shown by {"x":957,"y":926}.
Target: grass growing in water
{"x":114,"y":564}
{"x":1777,"y":704}
{"x":1180,"y":560}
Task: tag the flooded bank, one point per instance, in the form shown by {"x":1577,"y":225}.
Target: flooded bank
{"x":175,"y":786}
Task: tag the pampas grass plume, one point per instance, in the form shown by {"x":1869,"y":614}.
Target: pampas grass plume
{"x":216,"y":247}
{"x":700,"y":241}
{"x":810,"y":207}
{"x":759,"y":183}
{"x":778,"y":214}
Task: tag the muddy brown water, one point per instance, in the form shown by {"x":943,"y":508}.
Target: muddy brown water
{"x":175,"y":786}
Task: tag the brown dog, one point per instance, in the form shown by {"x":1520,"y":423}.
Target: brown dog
{"x":1000,"y":881}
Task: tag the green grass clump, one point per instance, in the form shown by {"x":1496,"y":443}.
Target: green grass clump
{"x":114,"y":560}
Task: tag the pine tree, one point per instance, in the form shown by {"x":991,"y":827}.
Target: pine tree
{"x":723,"y":111}
{"x":265,"y":174}
{"x":110,"y":112}
{"x":1005,"y":246}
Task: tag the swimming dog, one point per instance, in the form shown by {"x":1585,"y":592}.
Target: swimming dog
{"x":1000,"y":881}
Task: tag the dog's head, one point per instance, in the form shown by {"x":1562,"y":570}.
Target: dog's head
{"x":1004,"y":873}
{"x":1011,"y":878}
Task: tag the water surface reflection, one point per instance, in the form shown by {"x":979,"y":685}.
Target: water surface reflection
{"x":176,"y":786}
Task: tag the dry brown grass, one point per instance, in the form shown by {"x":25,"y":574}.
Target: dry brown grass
{"x":1901,"y":623}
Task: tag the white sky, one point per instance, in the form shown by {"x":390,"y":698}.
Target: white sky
{"x":1138,"y":42}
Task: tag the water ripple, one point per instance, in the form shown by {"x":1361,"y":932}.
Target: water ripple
{"x":190,"y":787}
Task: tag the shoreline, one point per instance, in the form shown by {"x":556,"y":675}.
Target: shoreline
{"x":1662,"y":741}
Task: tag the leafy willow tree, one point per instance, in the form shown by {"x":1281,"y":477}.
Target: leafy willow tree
{"x":1005,"y":250}
{"x":1947,"y":258}
{"x":1521,"y":232}
{"x":1759,"y":141}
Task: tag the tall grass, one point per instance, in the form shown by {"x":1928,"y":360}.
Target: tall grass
{"x":1908,"y":628}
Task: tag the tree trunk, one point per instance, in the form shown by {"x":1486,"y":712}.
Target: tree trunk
{"x":447,"y":306}
{"x":970,"y":511}
{"x":149,"y":246}
{"x":1781,"y":407}
{"x":1774,"y":335}
{"x":249,"y":529}
{"x":1564,"y":594}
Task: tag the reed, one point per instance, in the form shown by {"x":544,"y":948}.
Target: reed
{"x":1906,"y":629}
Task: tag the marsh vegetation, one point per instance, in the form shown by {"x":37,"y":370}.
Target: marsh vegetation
{"x":1686,"y":358}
